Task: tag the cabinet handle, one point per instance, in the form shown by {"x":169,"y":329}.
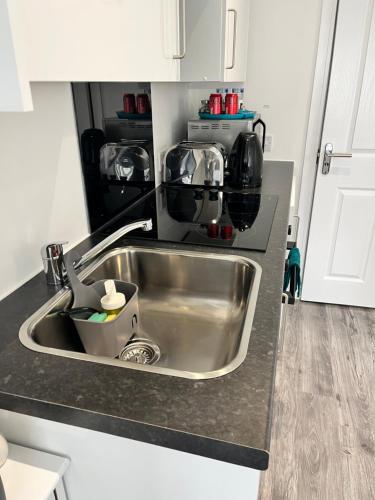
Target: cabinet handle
{"x":182,"y":54}
{"x":234,"y":38}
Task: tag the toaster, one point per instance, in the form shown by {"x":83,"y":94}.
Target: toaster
{"x":195,"y":163}
{"x":128,"y":160}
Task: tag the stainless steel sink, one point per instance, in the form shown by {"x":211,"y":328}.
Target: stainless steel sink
{"x":197,"y":307}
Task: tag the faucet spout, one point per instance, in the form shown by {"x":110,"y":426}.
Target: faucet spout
{"x":146,"y":225}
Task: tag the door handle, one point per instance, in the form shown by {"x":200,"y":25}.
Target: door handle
{"x":328,"y":155}
{"x":234,"y":12}
{"x":181,"y":22}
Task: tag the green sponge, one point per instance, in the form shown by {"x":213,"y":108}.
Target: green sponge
{"x":98,"y":317}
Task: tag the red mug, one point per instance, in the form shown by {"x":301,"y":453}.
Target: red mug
{"x":143,"y":104}
{"x":129,"y":103}
{"x":227,"y":232}
{"x":213,"y":230}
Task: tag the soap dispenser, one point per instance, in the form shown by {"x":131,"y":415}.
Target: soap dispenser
{"x":113,"y":301}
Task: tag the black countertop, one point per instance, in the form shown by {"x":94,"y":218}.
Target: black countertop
{"x":226,"y":418}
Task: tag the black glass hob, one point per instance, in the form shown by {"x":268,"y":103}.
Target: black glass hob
{"x":202,"y":216}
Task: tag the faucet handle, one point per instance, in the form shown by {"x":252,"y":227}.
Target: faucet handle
{"x":53,"y":250}
{"x":53,"y":262}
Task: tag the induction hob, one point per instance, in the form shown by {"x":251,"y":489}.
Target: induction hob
{"x":202,"y":216}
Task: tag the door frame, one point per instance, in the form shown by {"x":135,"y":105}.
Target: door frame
{"x":316,"y":120}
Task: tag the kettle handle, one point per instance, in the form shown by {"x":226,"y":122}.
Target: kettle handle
{"x":261,"y":122}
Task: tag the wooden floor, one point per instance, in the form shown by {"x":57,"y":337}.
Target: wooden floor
{"x":323,"y":433}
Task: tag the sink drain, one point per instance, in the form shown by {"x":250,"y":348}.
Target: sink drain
{"x":140,"y":351}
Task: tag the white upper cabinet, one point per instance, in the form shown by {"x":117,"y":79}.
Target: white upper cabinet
{"x":118,"y":40}
{"x":100,"y":40}
{"x":15,"y":92}
{"x":135,"y":40}
{"x":216,"y":39}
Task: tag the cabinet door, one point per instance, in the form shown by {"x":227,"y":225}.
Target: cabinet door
{"x":205,"y":27}
{"x":216,"y":40}
{"x":100,"y":40}
{"x":236,"y":40}
{"x":15,"y":92}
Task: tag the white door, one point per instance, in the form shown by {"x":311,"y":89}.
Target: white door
{"x":340,"y":260}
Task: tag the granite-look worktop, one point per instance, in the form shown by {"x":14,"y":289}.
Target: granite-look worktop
{"x":226,"y":418}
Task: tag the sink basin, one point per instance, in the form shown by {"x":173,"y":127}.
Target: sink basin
{"x":196,"y":307}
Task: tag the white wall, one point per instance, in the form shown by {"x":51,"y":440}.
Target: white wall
{"x":41,"y":190}
{"x":283,"y":38}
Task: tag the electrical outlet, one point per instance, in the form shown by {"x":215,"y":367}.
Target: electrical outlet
{"x":268,"y":143}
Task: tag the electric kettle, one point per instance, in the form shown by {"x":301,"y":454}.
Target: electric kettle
{"x":245,"y":165}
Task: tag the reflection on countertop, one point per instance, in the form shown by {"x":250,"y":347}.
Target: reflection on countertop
{"x":214,"y":217}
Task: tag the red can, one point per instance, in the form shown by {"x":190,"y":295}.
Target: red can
{"x":143,"y":104}
{"x":215,"y":104}
{"x":129,"y":103}
{"x":231,"y":104}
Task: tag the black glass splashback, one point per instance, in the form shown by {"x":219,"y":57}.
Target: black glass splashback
{"x":227,"y":218}
{"x":106,"y":199}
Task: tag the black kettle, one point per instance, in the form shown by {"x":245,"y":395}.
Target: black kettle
{"x":243,"y":209}
{"x":245,"y":164}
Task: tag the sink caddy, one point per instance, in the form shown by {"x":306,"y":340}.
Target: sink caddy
{"x":109,"y":338}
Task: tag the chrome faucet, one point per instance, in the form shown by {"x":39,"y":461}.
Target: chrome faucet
{"x":53,"y":262}
{"x":146,"y":225}
{"x":53,"y":253}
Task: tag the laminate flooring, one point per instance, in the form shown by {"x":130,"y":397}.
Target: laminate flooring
{"x":323,"y":430}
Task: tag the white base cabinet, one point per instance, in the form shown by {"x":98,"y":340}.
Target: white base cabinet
{"x":103,"y":466}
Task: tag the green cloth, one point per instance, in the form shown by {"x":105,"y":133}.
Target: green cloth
{"x":294,"y":262}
